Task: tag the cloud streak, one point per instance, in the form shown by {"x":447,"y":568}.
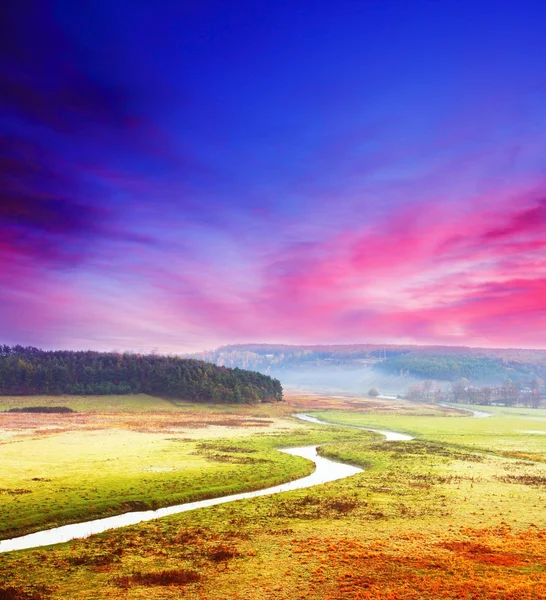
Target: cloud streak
{"x":170,"y":180}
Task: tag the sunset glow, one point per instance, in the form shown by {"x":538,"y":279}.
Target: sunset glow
{"x":179,"y":175}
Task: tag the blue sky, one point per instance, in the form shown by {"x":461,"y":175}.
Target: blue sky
{"x":178,"y":175}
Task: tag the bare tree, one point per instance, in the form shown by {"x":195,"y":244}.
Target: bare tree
{"x":473,"y":395}
{"x":458,"y":389}
{"x":509,"y":392}
{"x":486,"y":395}
{"x":415,"y":393}
{"x":427,"y":389}
{"x":438,"y":395}
{"x":536,"y":398}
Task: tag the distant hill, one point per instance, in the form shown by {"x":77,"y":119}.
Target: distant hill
{"x":30,"y":371}
{"x":391,"y":368}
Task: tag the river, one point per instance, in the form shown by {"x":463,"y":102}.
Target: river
{"x":478,"y":414}
{"x":326,"y":470}
{"x":390,"y":436}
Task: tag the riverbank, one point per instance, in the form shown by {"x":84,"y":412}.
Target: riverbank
{"x":108,"y":462}
{"x":325,"y":470}
{"x":426,"y":519}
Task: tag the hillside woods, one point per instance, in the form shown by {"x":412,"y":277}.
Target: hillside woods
{"x":29,"y":371}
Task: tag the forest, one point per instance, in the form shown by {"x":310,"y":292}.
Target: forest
{"x":31,"y":371}
{"x":453,"y":367}
{"x":447,"y":363}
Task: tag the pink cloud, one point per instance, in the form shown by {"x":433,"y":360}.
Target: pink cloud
{"x":423,"y":274}
{"x":426,"y":270}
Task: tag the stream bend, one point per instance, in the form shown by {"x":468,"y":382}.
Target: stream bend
{"x":326,"y":470}
{"x":390,"y":436}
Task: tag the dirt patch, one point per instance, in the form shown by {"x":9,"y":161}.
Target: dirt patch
{"x":15,"y":492}
{"x":177,"y":577}
{"x":314,"y":507}
{"x":19,"y":593}
{"x":535,"y":480}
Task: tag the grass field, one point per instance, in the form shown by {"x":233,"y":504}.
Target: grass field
{"x":138,"y":453}
{"x":457,"y":513}
{"x":513,"y":431}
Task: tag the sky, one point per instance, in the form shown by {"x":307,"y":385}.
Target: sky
{"x":177,"y":175}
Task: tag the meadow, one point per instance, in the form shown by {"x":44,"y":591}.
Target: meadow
{"x":456,"y":513}
{"x":512,"y":431}
{"x":124,"y":453}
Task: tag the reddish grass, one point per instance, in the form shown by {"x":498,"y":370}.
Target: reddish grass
{"x":485,"y":565}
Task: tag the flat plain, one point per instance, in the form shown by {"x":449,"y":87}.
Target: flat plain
{"x":458,"y":512}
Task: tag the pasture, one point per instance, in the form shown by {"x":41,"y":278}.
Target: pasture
{"x":456,"y":513}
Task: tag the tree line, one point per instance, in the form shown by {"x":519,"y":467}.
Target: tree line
{"x":453,"y":367}
{"x":510,"y":393}
{"x":31,"y":371}
{"x":482,"y":365}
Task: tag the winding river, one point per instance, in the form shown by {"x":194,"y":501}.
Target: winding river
{"x":325,"y":470}
{"x":477,"y":414}
{"x":390,"y":436}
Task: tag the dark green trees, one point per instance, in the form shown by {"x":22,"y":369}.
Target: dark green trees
{"x":28,"y":371}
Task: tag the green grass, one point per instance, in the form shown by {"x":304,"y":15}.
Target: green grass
{"x":143,"y":403}
{"x":414,"y":498}
{"x":71,"y":476}
{"x":507,"y":430}
{"x":455,"y":513}
{"x":125,"y":403}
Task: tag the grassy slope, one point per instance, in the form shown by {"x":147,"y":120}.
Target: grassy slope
{"x":428,"y":519}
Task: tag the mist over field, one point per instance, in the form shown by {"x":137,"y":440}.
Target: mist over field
{"x":391,"y":369}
